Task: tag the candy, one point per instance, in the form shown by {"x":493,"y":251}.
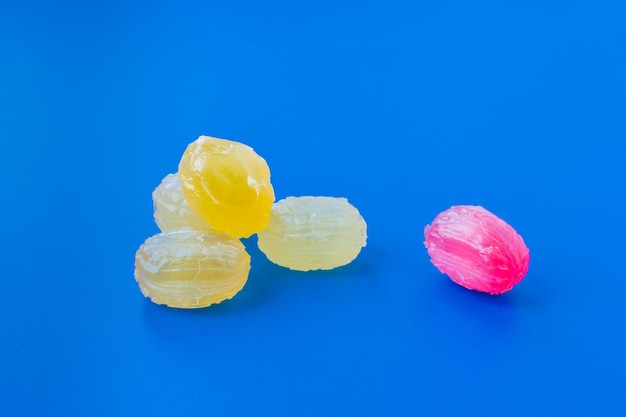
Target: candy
{"x":191,"y":268}
{"x":227,"y":184}
{"x":477,"y":249}
{"x":308,"y":233}
{"x":171,"y":210}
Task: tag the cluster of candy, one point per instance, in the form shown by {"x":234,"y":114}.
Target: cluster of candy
{"x":221,"y":193}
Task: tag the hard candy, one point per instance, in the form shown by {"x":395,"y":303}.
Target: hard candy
{"x":191,"y":268}
{"x":308,"y":233}
{"x":171,"y":210}
{"x":227,"y":184}
{"x":477,"y":249}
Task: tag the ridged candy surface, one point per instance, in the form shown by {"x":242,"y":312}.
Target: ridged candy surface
{"x":309,"y":233}
{"x":477,"y":249}
{"x":191,"y":268}
{"x":171,"y":210}
{"x":227,"y":184}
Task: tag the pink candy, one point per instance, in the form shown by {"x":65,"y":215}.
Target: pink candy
{"x":477,"y":249}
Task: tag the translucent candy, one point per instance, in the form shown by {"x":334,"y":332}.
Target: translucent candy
{"x":308,"y":233}
{"x":171,"y":210}
{"x":227,"y":184}
{"x":191,"y":268}
{"x":477,"y":249}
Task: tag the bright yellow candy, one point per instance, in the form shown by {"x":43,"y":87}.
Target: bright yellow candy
{"x":189,"y":268}
{"x":227,"y":184}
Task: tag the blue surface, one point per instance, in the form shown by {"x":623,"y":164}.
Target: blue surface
{"x":405,"y":108}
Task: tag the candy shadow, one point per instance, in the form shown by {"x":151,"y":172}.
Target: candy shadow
{"x":456,"y":313}
{"x":159,"y":314}
{"x":269,"y":281}
{"x":188,"y":327}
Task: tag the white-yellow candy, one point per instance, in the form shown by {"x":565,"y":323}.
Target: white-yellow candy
{"x":189,"y":268}
{"x":171,"y":210}
{"x":308,"y":233}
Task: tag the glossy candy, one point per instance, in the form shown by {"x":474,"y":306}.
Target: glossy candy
{"x":191,"y":268}
{"x":308,"y":233}
{"x":227,"y":184}
{"x":171,"y":210}
{"x":477,"y":249}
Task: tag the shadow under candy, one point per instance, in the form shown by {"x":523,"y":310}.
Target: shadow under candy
{"x":268,"y":288}
{"x":468,"y":321}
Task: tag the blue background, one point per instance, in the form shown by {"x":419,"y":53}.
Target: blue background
{"x":405,"y":108}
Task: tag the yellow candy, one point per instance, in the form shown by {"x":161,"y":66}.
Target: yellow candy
{"x":227,"y":184}
{"x":171,"y":210}
{"x":191,"y":268}
{"x":308,"y":233}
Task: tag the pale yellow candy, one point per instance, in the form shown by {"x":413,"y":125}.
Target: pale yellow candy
{"x":171,"y":210}
{"x":308,"y":233}
{"x":191,"y":268}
